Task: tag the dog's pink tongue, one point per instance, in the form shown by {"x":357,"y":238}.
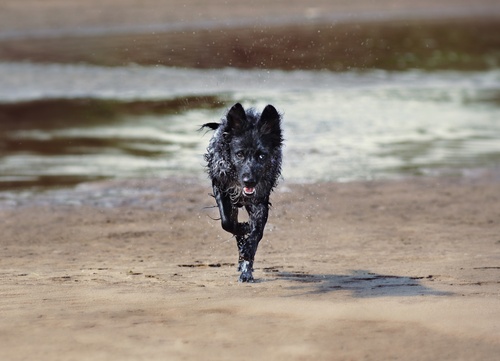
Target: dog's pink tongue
{"x":248,"y":190}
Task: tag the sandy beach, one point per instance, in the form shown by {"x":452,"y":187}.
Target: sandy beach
{"x":358,"y":271}
{"x":129,"y":270}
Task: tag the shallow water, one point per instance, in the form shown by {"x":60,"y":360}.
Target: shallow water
{"x":64,"y":124}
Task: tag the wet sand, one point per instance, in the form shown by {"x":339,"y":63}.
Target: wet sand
{"x":403,"y":269}
{"x":377,"y":270}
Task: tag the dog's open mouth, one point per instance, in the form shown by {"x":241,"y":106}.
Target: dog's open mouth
{"x":248,"y":191}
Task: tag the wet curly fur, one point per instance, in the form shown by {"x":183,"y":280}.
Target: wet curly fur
{"x":244,"y":163}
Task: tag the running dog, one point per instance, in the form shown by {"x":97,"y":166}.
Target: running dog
{"x":244,"y":163}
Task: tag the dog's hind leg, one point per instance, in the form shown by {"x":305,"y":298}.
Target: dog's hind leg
{"x":247,"y":246}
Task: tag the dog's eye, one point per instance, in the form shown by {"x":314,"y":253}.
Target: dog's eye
{"x":240,"y":155}
{"x":261,"y":156}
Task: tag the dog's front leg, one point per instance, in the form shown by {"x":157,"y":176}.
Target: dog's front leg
{"x":229,"y":214}
{"x":247,"y":246}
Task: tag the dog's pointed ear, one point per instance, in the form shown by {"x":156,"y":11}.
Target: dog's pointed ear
{"x":269,"y":122}
{"x":236,"y":117}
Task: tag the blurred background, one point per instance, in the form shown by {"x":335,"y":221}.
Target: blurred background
{"x":117,"y":89}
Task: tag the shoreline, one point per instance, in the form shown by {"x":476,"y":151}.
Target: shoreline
{"x":151,"y":193}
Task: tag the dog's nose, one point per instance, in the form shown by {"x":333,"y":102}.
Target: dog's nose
{"x":249,"y":181}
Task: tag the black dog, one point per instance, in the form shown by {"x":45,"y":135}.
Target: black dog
{"x":244,"y":164}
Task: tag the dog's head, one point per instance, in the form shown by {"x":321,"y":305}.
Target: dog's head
{"x":254,"y":147}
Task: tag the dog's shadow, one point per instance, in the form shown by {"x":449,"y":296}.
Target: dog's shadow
{"x":359,"y":283}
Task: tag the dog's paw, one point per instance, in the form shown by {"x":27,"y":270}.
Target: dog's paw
{"x":246,"y":277}
{"x":246,"y":272}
